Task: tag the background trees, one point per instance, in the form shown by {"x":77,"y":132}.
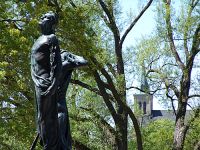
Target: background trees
{"x":98,"y":106}
{"x":175,"y":47}
{"x":16,"y":97}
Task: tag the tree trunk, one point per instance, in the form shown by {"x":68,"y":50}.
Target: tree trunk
{"x":180,"y":129}
{"x":179,"y":136}
{"x":121,"y":129}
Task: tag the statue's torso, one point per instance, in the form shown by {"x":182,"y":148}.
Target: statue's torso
{"x":41,"y":53}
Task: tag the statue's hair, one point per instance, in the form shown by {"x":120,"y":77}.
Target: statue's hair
{"x":53,"y":16}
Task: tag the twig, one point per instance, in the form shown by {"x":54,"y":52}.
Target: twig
{"x":34,"y":142}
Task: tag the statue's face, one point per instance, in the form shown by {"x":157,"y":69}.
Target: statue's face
{"x":48,"y":23}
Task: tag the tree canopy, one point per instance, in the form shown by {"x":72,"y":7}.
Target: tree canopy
{"x":100,"y":115}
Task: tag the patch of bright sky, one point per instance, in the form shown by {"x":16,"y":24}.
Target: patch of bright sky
{"x":145,"y":24}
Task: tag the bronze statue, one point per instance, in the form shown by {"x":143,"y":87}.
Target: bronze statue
{"x":51,"y":75}
{"x":46,"y":67}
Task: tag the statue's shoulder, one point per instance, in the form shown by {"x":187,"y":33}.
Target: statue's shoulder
{"x":45,"y":40}
{"x":52,"y":39}
{"x":41,"y":41}
{"x":48,"y":39}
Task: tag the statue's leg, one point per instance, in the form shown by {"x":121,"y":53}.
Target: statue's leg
{"x":63,"y":118}
{"x":65,"y":134}
{"x":68,"y":132}
{"x":48,"y":121}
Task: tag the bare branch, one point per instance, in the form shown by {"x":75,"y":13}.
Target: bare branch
{"x":196,"y":40}
{"x":100,"y":119}
{"x":186,"y":47}
{"x":82,"y":84}
{"x":170,"y":64}
{"x":90,"y":88}
{"x":186,"y":33}
{"x":170,"y":35}
{"x":172,"y":101}
{"x":139,"y":89}
{"x":180,"y":39}
{"x":112,"y":70}
{"x":72,"y":3}
{"x":195,"y":47}
{"x":190,"y":106}
{"x":10,"y":20}
{"x":166,"y":81}
{"x":111,"y":85}
{"x":193,"y":96}
{"x":194,"y":4}
{"x":112,"y":25}
{"x":135,"y":21}
{"x":106,"y":21}
{"x":26,"y":94}
{"x":154,"y":71}
{"x":105,"y":96}
{"x":172,"y":87}
{"x":110,"y":16}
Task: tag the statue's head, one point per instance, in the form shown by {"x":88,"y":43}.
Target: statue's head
{"x":48,"y":22}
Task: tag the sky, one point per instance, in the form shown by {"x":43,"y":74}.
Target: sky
{"x":145,"y":24}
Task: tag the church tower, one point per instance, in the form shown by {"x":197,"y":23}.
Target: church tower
{"x":144,"y":100}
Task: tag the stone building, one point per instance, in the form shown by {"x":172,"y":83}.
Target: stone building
{"x":144,"y":101}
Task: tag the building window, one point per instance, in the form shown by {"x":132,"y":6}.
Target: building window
{"x":144,"y":107}
{"x":140,"y":105}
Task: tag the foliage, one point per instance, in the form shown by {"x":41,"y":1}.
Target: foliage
{"x":193,"y":135}
{"x":98,"y":108}
{"x":17,"y":123}
{"x":86,"y":113}
{"x":158,"y":134}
